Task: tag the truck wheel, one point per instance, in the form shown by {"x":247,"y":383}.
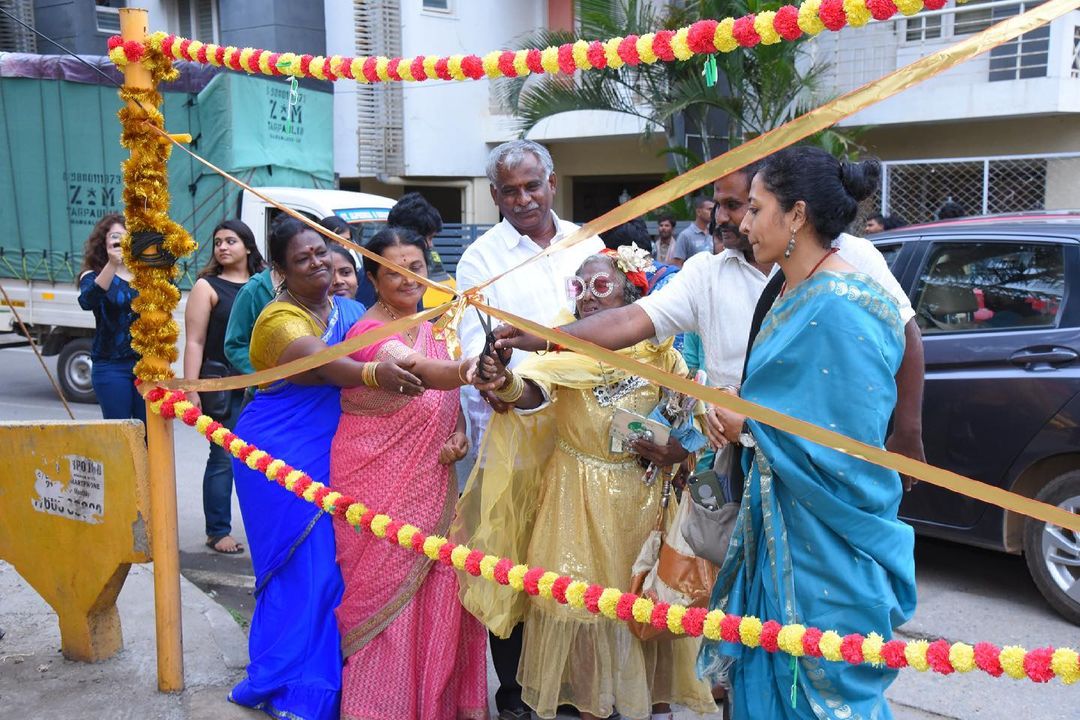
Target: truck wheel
{"x":1053,"y":553}
{"x":73,"y":368}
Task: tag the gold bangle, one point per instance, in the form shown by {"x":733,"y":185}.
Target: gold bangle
{"x":367,"y":374}
{"x":512,"y":391}
{"x":461,"y":364}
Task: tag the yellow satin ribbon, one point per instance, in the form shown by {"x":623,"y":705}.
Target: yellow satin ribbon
{"x":311,"y":362}
{"x":904,"y":465}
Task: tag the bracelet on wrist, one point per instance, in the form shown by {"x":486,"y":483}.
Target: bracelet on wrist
{"x":460,"y":374}
{"x":512,"y":390}
{"x":368,"y":376}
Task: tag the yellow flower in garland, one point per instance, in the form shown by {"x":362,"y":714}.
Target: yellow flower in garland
{"x":644,"y":47}
{"x":453,"y":65}
{"x":675,"y":616}
{"x":642,"y":610}
{"x":723,"y":37}
{"x":309,"y":493}
{"x":193,"y":48}
{"x":1066,"y":665}
{"x":809,"y":22}
{"x":230,"y":53}
{"x":521,"y":63}
{"x":962,"y":657}
{"x":118,"y":57}
{"x":245,"y":58}
{"x":909,"y":7}
{"x":545,"y":583}
{"x":487,"y":567}
{"x":1012,"y":661}
{"x":829,"y":644}
{"x":580,"y":51}
{"x":790,"y":638}
{"x":264,"y":64}
{"x":711,"y":628}
{"x":915,"y":654}
{"x":763,"y":24}
{"x":549,"y":60}
{"x":405,"y":534}
{"x":289,"y":64}
{"x":611,"y":53}
{"x":871,"y":649}
{"x":352,"y":516}
{"x":432,"y":544}
{"x":378,"y":525}
{"x":491,"y":64}
{"x":516,"y":576}
{"x":575,"y":594}
{"x":381,"y":65}
{"x":750,"y":631}
{"x":609,"y":599}
{"x":317,"y":67}
{"x":334,"y":63}
{"x":429,"y":67}
{"x":457,"y":555}
{"x":857,"y":12}
{"x":680,"y":44}
{"x":404,"y":70}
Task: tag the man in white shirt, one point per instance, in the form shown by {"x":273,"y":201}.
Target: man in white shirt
{"x":523,"y":182}
{"x":716,"y":295}
{"x":695,"y":238}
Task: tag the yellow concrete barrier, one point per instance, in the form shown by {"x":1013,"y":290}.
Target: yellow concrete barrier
{"x":73,"y":513}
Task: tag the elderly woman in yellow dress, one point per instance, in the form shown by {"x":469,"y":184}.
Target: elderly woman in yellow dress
{"x":552,"y":456}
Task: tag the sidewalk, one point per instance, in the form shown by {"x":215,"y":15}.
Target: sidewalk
{"x":37,"y":682}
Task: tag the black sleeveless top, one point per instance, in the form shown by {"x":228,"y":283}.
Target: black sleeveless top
{"x":219,"y":317}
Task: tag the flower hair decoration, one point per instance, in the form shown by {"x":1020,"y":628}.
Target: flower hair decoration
{"x":633,"y":262}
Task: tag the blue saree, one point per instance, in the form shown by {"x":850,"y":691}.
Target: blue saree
{"x":817,"y":540}
{"x":294,"y":645}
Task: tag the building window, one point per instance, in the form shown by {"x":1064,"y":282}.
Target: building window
{"x":199,"y":20}
{"x":971,"y":19}
{"x":106,"y":15}
{"x":922,"y":28}
{"x":439,"y":6}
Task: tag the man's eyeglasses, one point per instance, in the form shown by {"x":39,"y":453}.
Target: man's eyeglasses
{"x":600,"y":285}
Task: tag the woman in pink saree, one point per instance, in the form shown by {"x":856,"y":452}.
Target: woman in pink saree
{"x":411,"y":650}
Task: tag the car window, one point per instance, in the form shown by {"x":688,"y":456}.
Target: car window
{"x":890,"y":253}
{"x":990,"y":286}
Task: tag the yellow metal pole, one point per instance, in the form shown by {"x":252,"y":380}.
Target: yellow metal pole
{"x":164,"y":538}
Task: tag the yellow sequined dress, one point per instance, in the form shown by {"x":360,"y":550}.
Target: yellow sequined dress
{"x":550,"y":492}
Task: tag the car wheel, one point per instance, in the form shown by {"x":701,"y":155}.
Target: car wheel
{"x":1053,"y":553}
{"x":73,"y":370}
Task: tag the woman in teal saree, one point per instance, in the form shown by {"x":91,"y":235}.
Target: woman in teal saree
{"x":817,"y":541}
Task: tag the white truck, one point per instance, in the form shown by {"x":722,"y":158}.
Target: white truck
{"x":59,"y":326}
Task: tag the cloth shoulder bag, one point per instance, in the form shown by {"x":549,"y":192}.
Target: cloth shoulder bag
{"x":707,"y":530}
{"x":668,"y":571}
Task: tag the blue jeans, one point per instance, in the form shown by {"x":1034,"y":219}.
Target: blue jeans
{"x":114,"y":385}
{"x":218,"y":479}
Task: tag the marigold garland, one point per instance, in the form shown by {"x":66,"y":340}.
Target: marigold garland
{"x":1040,"y":665}
{"x":787,"y":23}
{"x":146,"y":207}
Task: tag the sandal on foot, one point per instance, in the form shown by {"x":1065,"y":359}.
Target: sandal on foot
{"x":213,"y":542}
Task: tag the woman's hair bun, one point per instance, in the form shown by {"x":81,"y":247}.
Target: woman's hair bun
{"x":860,"y":178}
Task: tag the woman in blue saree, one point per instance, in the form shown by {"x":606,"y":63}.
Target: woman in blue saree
{"x":817,"y":541}
{"x":294,"y":646}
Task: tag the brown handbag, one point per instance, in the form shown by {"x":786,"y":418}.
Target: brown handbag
{"x":666,"y":569}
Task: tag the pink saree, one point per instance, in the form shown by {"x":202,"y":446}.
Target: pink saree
{"x":411,"y":650}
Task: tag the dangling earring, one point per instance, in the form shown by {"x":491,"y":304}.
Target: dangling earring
{"x":790,"y":245}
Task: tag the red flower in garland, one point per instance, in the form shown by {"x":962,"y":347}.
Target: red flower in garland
{"x":320,"y":495}
{"x":305,"y":64}
{"x":832,"y":14}
{"x":116,"y":41}
{"x":628,"y":50}
{"x":185,"y":46}
{"x":851,"y":648}
{"x":444,"y":553}
{"x":566,"y":59}
{"x":596,"y":55}
{"x":330,"y":74}
{"x":416,"y":67}
{"x":662,"y":45}
{"x":770,"y":630}
{"x":892,"y":653}
{"x":472,"y":563}
{"x":937,"y":656}
{"x":191,"y":416}
{"x":506,"y":64}
{"x":272,"y":62}
{"x":729,"y":628}
{"x":245,"y":451}
{"x":624,"y":609}
{"x":168,"y":408}
{"x":881,"y":9}
{"x":473,"y":67}
{"x":934,"y":4}
{"x":558,"y":588}
{"x":417,"y":542}
{"x":155,"y":394}
{"x":166,"y":44}
{"x":744,"y":33}
{"x":263,"y":463}
{"x":392,"y":529}
{"x":531,"y":580}
{"x":693,"y":621}
{"x":534,"y":60}
{"x":442,"y":68}
{"x":201,"y":55}
{"x":281,"y":474}
{"x":219,"y":55}
{"x":502,"y":571}
{"x":592,"y":598}
{"x":253,"y":60}
{"x":302,"y":485}
{"x":988,"y":659}
{"x":346,"y":67}
{"x":786,"y":22}
{"x":811,"y":640}
{"x":700,"y":37}
{"x":1037,"y":664}
{"x":659,"y":616}
{"x":365,"y":522}
{"x":392,"y":69}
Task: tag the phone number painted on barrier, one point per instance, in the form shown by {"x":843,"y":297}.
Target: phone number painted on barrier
{"x":82,"y":497}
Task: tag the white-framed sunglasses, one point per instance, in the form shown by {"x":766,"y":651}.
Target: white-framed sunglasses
{"x":600,"y":285}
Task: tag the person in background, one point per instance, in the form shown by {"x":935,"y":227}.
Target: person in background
{"x":364,"y":293}
{"x":413,"y":211}
{"x":874,"y":224}
{"x":695,"y":238}
{"x":105,"y":290}
{"x":523,"y":181}
{"x":293,"y":644}
{"x":895,"y":221}
{"x":665,"y":238}
{"x":346,"y":279}
{"x":235,"y":258}
{"x":951,"y":209}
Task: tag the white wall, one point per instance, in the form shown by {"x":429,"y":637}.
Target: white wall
{"x":341,"y":40}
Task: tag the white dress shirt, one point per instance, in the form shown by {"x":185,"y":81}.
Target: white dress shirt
{"x":861,"y":254}
{"x":714,"y":296}
{"x":536,"y":292}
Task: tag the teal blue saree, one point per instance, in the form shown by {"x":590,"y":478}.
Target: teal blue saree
{"x":817,"y":540}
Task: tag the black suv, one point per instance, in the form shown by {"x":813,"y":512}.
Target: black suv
{"x":1000,"y":318}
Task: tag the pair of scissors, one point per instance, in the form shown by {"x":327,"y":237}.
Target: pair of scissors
{"x":489,"y":344}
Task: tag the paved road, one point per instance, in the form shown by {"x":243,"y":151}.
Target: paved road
{"x":964,"y":593}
